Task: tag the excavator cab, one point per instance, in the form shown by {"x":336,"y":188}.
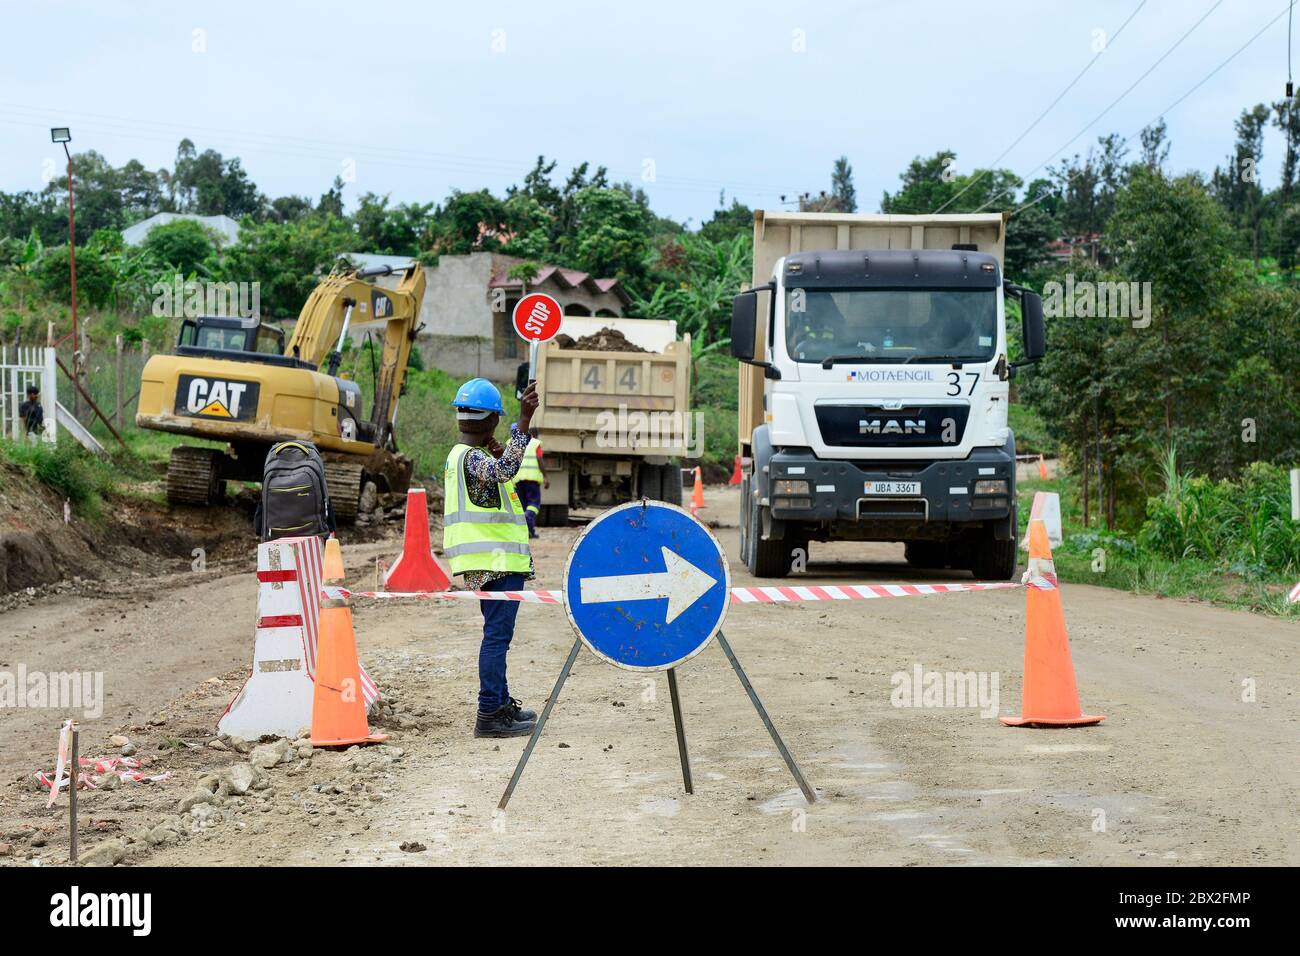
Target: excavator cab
{"x":237,"y":339}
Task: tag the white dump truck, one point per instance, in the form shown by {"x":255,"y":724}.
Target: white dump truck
{"x":614,"y":422}
{"x":874,"y":389}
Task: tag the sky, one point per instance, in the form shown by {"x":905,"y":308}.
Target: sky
{"x":684,"y":99}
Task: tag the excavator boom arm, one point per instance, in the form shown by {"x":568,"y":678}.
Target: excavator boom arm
{"x":343,"y":298}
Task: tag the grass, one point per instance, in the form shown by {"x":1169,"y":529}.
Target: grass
{"x":1030,"y":431}
{"x":1124,"y":561}
{"x":68,"y":470}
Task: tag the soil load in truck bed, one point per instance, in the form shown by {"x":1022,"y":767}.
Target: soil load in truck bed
{"x":606,"y":340}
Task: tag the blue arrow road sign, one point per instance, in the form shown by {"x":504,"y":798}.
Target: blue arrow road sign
{"x":646,"y":586}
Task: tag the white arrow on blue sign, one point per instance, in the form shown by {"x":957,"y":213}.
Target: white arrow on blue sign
{"x":646,"y":586}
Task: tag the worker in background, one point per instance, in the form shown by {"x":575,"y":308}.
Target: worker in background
{"x":485,"y":539}
{"x":32,"y":413}
{"x":530,"y":480}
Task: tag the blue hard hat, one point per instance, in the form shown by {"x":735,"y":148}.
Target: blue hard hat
{"x":480,"y":394}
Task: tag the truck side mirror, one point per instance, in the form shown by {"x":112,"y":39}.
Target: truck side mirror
{"x":1031,"y":325}
{"x":744,"y":320}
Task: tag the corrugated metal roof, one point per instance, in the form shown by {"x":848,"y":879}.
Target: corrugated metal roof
{"x":224,"y":226}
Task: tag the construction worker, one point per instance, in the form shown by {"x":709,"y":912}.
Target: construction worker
{"x":485,"y":539}
{"x":529,"y":481}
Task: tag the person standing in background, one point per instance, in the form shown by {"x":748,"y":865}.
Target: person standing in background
{"x":32,"y":413}
{"x":530,"y":480}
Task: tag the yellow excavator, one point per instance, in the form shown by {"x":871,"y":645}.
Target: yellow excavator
{"x":235,"y":380}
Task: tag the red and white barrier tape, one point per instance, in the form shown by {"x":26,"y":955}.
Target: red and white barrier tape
{"x":763,"y":595}
{"x":125,"y":768}
{"x":852,"y":592}
{"x":529,"y":597}
{"x":65,"y":745}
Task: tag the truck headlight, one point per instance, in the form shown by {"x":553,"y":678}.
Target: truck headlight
{"x":991,"y":486}
{"x":786,"y":487}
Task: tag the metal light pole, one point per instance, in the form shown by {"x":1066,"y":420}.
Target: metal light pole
{"x":63,"y":135}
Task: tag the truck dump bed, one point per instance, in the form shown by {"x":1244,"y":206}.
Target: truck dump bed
{"x":628,"y":404}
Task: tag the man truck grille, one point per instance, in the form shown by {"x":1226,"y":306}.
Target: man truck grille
{"x":871,"y":426}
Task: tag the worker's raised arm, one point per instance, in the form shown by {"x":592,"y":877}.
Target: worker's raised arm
{"x":481,"y":465}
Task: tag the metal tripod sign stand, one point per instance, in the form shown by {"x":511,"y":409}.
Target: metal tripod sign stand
{"x":646,"y":587}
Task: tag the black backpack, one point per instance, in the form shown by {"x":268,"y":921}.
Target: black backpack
{"x":295,"y":499}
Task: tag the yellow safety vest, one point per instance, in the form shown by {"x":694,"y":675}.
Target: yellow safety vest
{"x":481,"y":539}
{"x":530,"y":469}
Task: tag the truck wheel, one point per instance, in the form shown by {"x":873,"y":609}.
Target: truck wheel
{"x":993,"y":560}
{"x":672,"y":482}
{"x":765,"y":559}
{"x":743,"y":522}
{"x":650,"y":482}
{"x":555,"y":516}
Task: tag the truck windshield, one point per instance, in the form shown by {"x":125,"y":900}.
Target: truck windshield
{"x":891,"y":325}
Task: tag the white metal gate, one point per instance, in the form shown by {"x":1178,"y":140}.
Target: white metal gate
{"x":18,"y":368}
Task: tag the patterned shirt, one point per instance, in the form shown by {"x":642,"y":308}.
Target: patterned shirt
{"x":482,"y":475}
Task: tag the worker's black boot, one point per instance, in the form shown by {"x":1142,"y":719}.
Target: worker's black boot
{"x":518,"y":711}
{"x":501,"y":723}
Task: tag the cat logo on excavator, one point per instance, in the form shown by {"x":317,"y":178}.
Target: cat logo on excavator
{"x":216,"y":398}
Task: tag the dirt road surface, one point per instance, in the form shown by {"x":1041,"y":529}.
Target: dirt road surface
{"x":1196,"y":763}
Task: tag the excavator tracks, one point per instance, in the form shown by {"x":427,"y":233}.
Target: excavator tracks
{"x":193,"y":476}
{"x":344,"y":482}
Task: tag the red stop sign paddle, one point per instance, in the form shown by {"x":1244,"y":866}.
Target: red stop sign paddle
{"x":537,"y":317}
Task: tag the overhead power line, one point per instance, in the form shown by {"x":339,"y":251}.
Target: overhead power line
{"x":253,"y":142}
{"x":1115,"y":102}
{"x":1030,"y":128}
{"x":1201,"y":82}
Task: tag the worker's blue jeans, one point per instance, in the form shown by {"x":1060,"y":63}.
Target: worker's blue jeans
{"x":498,"y":630}
{"x":530,"y":496}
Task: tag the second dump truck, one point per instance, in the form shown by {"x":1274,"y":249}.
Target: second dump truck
{"x":874,"y":389}
{"x":613,"y":422}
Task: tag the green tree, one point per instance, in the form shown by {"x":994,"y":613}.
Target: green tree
{"x":208,"y":184}
{"x":183,"y":244}
{"x":1115,"y":389}
{"x":401,"y":230}
{"x":1236,"y":185}
{"x":1028,"y":233}
{"x":288,"y":259}
{"x":331,"y":201}
{"x":704,"y":277}
{"x":468,"y":222}
{"x":94,"y":276}
{"x":728,"y":221}
{"x":1155,"y":144}
{"x":1286,"y":117}
{"x":529,"y":225}
{"x":934,"y":182}
{"x":289,"y":209}
{"x":611,"y":235}
{"x":844,"y":196}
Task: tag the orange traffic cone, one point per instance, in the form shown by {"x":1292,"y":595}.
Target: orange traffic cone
{"x":338,"y":711}
{"x":736,"y":476}
{"x":1042,"y":468}
{"x":333,"y":566}
{"x":697,"y":495}
{"x":1049,"y":696}
{"x":415,"y":568}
